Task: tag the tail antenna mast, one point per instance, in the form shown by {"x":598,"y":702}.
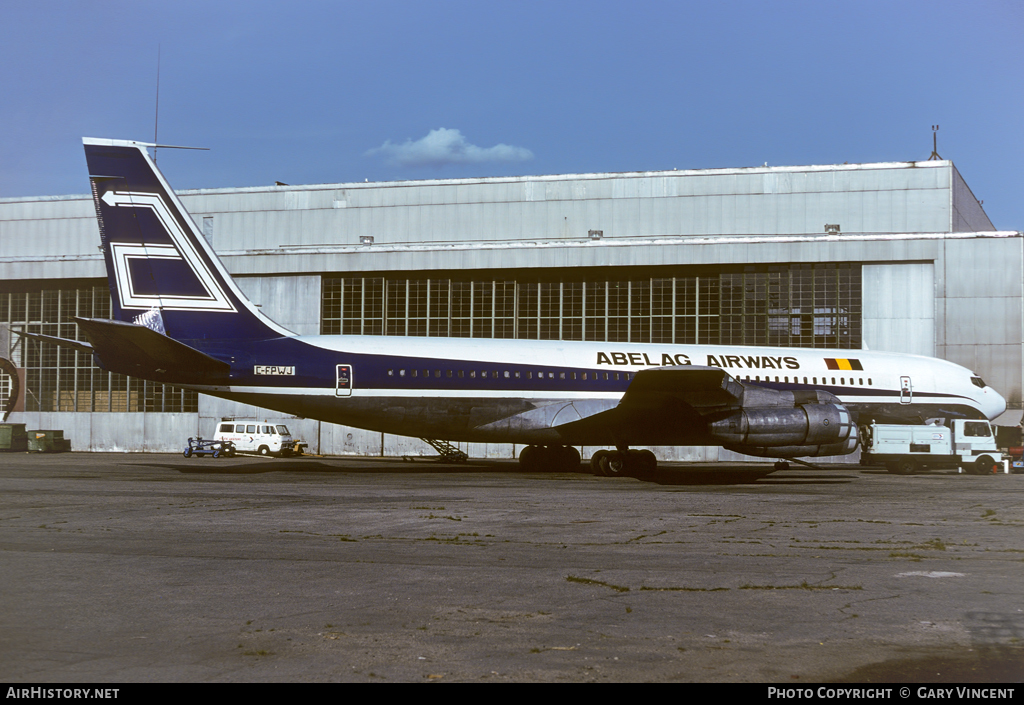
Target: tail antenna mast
{"x":935,"y":142}
{"x":156,"y":119}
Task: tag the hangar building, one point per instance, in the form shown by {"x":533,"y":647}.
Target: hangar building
{"x":892,"y":256}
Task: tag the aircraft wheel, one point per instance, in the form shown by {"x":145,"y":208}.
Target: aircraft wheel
{"x":531,"y":458}
{"x":595,"y":463}
{"x":613,"y":464}
{"x":648,"y":460}
{"x":641,"y":464}
{"x":568,"y":459}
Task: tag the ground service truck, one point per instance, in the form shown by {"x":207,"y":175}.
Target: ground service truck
{"x":968,"y":445}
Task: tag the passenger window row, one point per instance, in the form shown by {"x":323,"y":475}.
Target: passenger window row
{"x":592,"y":375}
{"x":511,"y":374}
{"x":857,"y":382}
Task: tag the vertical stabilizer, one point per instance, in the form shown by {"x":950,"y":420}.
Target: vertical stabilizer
{"x":162,"y":272}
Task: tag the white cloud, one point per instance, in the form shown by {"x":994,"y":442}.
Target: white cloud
{"x":444,"y":146}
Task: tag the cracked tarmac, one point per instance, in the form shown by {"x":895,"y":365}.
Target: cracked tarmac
{"x":144,"y":567}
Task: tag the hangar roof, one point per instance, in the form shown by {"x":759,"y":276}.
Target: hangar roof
{"x":444,"y":216}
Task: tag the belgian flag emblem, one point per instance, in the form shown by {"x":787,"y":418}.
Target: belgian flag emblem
{"x":843,"y":364}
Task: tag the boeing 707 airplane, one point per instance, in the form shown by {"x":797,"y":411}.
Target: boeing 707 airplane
{"x":179,"y":318}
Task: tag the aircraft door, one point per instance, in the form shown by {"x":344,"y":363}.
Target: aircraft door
{"x":343,"y":387}
{"x":906,"y":390}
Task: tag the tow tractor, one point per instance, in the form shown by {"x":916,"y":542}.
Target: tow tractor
{"x":200,"y":447}
{"x":965,"y":444}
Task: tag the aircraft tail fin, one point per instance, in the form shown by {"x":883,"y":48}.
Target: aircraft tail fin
{"x":162,"y":272}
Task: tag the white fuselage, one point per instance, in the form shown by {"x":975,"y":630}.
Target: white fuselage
{"x":453,"y":387}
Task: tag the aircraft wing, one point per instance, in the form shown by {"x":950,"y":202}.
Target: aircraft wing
{"x":701,"y":388}
{"x":663,"y":402}
{"x":672,"y":402}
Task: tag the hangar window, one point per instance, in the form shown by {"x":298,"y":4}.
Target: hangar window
{"x":63,"y":379}
{"x":785,"y":305}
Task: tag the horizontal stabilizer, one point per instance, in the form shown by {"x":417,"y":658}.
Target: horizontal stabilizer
{"x":132,"y":349}
{"x":62,"y":342}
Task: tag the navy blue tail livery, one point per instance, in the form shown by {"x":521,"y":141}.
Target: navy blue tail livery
{"x":157,"y":261}
{"x":181,"y":319}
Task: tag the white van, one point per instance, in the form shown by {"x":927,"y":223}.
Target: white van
{"x":262,"y":438}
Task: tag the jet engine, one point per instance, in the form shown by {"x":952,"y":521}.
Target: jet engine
{"x":803,"y":430}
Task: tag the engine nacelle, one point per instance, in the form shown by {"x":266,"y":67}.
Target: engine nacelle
{"x":806,"y":451}
{"x":813,"y":429}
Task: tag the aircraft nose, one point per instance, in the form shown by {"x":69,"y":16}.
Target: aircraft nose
{"x":994,"y":403}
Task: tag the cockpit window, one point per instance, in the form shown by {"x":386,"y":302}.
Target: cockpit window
{"x":978,"y":382}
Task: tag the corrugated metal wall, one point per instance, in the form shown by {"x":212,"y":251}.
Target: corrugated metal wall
{"x":875,"y":198}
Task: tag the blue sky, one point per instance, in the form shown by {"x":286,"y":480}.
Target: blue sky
{"x":323,"y":92}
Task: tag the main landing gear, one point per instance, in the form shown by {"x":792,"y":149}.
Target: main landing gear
{"x":550,"y":459}
{"x":624,"y":462}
